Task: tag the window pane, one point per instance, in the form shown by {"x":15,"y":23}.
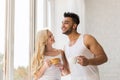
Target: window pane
{"x":39,"y":16}
{"x":2,"y":35}
{"x":21,"y":35}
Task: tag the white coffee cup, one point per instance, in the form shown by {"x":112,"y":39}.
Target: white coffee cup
{"x":74,"y":60}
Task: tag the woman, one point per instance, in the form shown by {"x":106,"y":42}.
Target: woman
{"x":43,"y":65}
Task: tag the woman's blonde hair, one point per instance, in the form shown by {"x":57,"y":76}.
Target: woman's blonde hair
{"x":40,"y":43}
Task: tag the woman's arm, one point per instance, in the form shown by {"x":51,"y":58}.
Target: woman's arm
{"x":41,"y":71}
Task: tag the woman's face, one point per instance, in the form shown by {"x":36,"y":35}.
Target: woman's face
{"x":51,"y":39}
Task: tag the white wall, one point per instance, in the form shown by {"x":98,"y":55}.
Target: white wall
{"x":102,"y":19}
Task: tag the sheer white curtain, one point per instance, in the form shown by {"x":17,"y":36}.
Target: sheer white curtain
{"x":61,"y":6}
{"x":78,"y":7}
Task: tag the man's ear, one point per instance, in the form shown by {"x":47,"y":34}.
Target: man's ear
{"x":75,"y":26}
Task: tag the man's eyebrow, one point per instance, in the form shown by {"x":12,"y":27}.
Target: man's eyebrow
{"x":65,"y":21}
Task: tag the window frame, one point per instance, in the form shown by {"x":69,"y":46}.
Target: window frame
{"x":9,"y":33}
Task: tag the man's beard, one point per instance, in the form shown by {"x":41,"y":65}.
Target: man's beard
{"x":68,"y":31}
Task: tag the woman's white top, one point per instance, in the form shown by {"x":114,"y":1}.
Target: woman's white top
{"x":79,"y":72}
{"x":53,"y":72}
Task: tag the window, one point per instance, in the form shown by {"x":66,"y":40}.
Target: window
{"x":21,"y":40}
{"x":2,"y":36}
{"x":39,"y":15}
{"x":23,"y":19}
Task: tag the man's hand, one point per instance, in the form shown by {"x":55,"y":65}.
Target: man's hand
{"x":82,"y":60}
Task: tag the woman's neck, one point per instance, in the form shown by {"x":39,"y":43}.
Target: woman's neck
{"x":49,"y":49}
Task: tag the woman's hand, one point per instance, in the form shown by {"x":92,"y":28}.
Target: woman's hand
{"x":59,"y":64}
{"x":47,"y":63}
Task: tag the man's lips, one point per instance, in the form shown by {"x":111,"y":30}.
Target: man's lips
{"x":63,"y":29}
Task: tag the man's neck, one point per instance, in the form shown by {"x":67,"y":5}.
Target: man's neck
{"x":73,"y":36}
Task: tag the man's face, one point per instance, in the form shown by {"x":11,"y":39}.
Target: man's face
{"x":67,"y":25}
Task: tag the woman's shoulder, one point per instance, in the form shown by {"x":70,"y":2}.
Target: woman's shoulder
{"x":61,"y":52}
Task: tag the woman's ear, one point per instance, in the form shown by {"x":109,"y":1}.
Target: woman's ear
{"x":46,"y":43}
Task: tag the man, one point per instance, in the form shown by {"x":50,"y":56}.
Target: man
{"x":83,"y":52}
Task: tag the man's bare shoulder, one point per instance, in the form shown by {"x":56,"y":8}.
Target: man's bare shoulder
{"x":89,"y":39}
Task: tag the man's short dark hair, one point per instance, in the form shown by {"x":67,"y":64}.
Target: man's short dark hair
{"x":74,"y":16}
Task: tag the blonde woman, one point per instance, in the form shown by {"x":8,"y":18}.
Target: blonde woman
{"x":48,"y":63}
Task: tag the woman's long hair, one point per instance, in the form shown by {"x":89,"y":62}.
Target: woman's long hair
{"x":38,"y":57}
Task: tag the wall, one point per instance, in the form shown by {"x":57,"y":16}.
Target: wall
{"x":102,"y":19}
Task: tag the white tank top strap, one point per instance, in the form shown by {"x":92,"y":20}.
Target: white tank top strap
{"x":57,"y":56}
{"x":82,"y":36}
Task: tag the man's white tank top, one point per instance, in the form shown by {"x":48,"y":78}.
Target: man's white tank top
{"x":79,"y":72}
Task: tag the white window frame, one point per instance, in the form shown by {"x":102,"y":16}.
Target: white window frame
{"x":9,"y":33}
{"x":9,"y":40}
{"x":32,"y":33}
